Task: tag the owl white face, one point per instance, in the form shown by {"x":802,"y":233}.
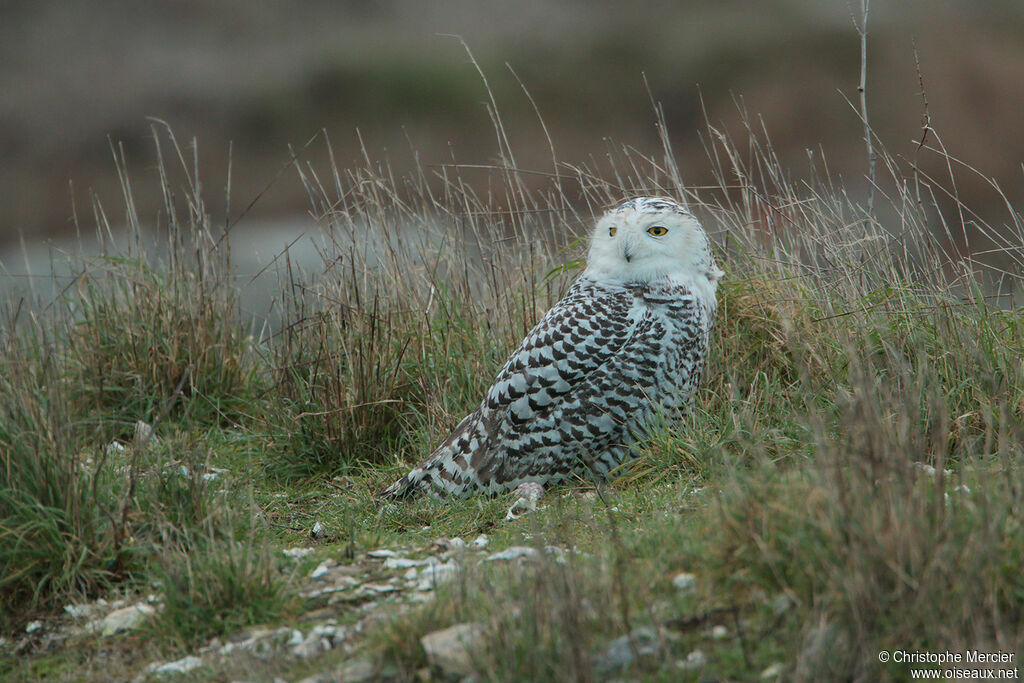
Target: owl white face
{"x":650,"y":239}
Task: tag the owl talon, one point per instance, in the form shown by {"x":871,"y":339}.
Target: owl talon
{"x":529,"y":493}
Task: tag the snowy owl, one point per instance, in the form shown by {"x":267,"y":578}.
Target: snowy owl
{"x":628,"y":339}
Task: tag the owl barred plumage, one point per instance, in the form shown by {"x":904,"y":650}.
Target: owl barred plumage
{"x":628,"y":339}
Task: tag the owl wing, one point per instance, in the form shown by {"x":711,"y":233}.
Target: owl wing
{"x":547,"y":390}
{"x":576,"y":337}
{"x":573,"y":339}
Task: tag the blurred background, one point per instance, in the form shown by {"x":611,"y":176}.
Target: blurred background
{"x":247,"y":79}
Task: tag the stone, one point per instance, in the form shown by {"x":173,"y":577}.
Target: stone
{"x":719,"y":632}
{"x":449,"y":544}
{"x":405,"y":562}
{"x":180,"y":666}
{"x":321,"y":638}
{"x":322,"y":569}
{"x":684,"y":582}
{"x":90,"y":610}
{"x":451,"y":650}
{"x":512,"y":553}
{"x":772,"y":671}
{"x":437,"y":574}
{"x":337,"y":584}
{"x":113,"y":449}
{"x":619,"y":653}
{"x":381,"y":554}
{"x":356,"y":671}
{"x":127,"y":618}
{"x":694,"y":661}
{"x":782,"y":604}
{"x":260,"y":641}
{"x":480,"y":541}
{"x":143,"y":432}
{"x":297,"y":553}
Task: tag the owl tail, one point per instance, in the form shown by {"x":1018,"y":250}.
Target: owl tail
{"x":408,"y":486}
{"x":439,"y":475}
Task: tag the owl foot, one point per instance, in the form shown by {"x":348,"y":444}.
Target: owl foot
{"x":529,"y":493}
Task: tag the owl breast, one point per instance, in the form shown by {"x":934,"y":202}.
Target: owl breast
{"x":658,"y":369}
{"x":649,"y":342}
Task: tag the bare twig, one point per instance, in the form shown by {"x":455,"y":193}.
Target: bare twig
{"x":862,"y":30}
{"x":926,"y":119}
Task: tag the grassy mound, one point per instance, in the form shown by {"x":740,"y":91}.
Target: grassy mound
{"x":849,"y":483}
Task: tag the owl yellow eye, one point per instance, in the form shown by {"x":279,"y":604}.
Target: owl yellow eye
{"x":657,"y":230}
{"x":611,"y":232}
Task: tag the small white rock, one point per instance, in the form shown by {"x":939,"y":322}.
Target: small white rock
{"x":773,"y":671}
{"x":181,"y":666}
{"x":782,"y":604}
{"x":127,"y":618}
{"x":381,"y":554}
{"x":695,"y":660}
{"x":719,"y":632}
{"x":684,"y":582}
{"x":480,"y":541}
{"x":297,"y":553}
{"x":33,"y":626}
{"x":437,"y":574}
{"x":927,"y":469}
{"x":449,"y":649}
{"x":78,"y":611}
{"x":405,"y":562}
{"x":114,"y":448}
{"x":322,"y":569}
{"x":143,"y":432}
{"x":512,"y":553}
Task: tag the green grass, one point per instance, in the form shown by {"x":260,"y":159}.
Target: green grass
{"x":848,"y":482}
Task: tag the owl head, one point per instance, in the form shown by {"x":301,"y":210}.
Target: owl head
{"x":648,"y":239}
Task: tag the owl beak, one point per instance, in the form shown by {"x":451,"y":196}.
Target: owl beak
{"x":627,"y":252}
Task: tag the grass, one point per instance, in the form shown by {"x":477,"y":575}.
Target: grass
{"x":848,"y":483}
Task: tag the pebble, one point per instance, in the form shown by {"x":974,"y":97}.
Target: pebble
{"x":782,"y":604}
{"x":437,"y":574}
{"x":405,"y":562}
{"x":180,"y":666}
{"x":322,"y":569}
{"x":684,"y":582}
{"x":449,"y":649}
{"x":512,"y":553}
{"x":620,"y":653}
{"x":694,"y":661}
{"x":126,"y":618}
